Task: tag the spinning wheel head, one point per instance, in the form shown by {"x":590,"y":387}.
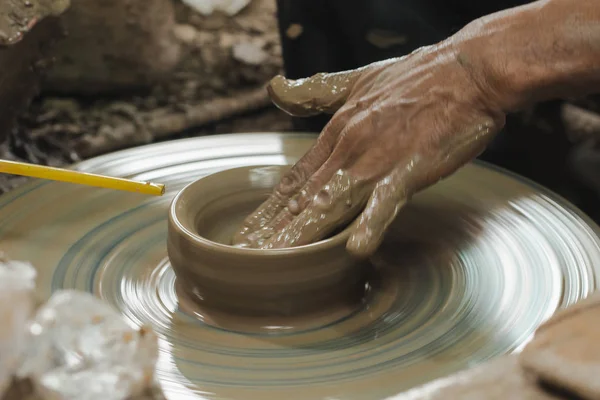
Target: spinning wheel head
{"x":469,"y":270}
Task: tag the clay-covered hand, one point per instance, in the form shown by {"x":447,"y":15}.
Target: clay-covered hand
{"x":399,"y":126}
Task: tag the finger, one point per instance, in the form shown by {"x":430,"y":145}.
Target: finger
{"x":337,"y":203}
{"x":392,"y":192}
{"x":349,"y":148}
{"x":458,"y":149}
{"x":388,"y":197}
{"x":293,"y":209}
{"x":321,"y":93}
{"x":290,"y":184}
{"x":300,"y":202}
{"x":345,"y":148}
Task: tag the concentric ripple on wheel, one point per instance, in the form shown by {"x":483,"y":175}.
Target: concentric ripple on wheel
{"x":468,"y":271}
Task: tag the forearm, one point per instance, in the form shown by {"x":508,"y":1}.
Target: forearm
{"x":545,"y":50}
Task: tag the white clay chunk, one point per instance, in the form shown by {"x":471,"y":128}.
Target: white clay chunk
{"x":17,"y":286}
{"x":80,"y":348}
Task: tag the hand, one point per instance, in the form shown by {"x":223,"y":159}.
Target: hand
{"x":399,"y":126}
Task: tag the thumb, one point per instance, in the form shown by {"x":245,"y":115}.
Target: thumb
{"x":321,"y":93}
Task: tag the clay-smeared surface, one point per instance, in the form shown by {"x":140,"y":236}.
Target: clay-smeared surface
{"x":481,"y":260}
{"x":336,"y":205}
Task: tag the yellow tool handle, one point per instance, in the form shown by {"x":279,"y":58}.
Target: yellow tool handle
{"x":80,"y":178}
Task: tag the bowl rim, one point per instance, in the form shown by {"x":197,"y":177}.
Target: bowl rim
{"x":210,"y":245}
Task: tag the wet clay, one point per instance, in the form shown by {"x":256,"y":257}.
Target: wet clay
{"x":279,"y":282}
{"x":385,"y":283}
{"x":297,"y":97}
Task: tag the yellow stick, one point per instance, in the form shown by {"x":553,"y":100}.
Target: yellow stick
{"x":81,"y":178}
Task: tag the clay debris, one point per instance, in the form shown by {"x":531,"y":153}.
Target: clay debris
{"x":207,"y":7}
{"x":251,"y":53}
{"x":17,"y":17}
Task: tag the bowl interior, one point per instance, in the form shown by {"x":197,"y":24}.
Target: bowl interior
{"x":215,"y":206}
{"x":220,"y":219}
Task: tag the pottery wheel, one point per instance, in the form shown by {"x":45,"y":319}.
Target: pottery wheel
{"x":474,"y":265}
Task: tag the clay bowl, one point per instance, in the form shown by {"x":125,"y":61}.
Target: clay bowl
{"x":202,"y":220}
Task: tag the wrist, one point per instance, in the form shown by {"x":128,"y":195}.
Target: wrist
{"x":488,"y":48}
{"x":534,"y":53}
